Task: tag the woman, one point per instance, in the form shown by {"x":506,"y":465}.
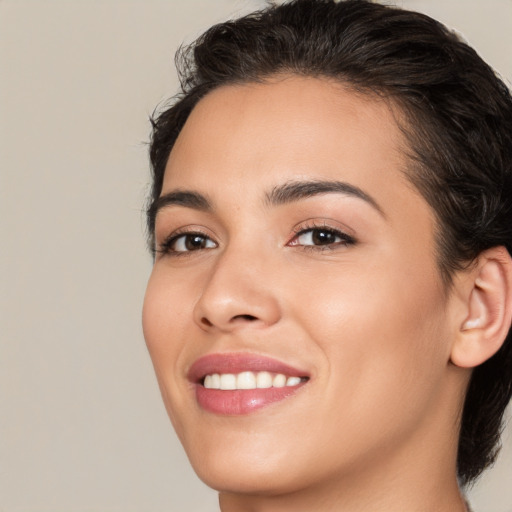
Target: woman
{"x":329,"y":309}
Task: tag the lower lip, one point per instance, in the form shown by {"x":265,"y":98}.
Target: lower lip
{"x":241,"y":401}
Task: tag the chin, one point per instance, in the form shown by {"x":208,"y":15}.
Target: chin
{"x":247,"y":479}
{"x":247,"y":471}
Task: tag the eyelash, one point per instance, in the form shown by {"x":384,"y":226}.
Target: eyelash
{"x":345,"y":240}
{"x":166,"y":245}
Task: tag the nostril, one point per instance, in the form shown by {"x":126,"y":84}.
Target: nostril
{"x":250,"y":318}
{"x":206,"y":322}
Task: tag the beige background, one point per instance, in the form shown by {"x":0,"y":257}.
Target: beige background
{"x":81,"y":423}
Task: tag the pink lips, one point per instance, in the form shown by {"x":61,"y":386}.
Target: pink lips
{"x":239,"y":401}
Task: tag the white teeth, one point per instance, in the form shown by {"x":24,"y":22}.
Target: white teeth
{"x":216,"y":381}
{"x":246,"y":380}
{"x":212,"y":381}
{"x":249,"y":380}
{"x":293,"y":381}
{"x":263,"y":380}
{"x":279,"y":381}
{"x":227,"y":381}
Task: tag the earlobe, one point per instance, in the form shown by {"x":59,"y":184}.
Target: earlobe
{"x":488,"y":311}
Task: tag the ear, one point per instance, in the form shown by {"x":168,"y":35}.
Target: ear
{"x":487,"y":309}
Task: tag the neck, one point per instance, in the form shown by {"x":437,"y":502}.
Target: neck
{"x":386,"y":495}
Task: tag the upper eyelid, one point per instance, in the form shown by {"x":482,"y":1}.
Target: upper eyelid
{"x":176,"y":236}
{"x":337,"y":232}
{"x":299,"y":228}
{"x":163,"y":247}
{"x":321,"y":228}
{"x":327,"y":224}
{"x":188,"y":229}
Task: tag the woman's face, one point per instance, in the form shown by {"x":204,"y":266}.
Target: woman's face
{"x":292,"y":245}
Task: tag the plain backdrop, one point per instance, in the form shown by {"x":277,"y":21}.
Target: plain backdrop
{"x":82,"y":427}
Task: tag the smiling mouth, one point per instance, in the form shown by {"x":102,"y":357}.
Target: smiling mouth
{"x":241,"y":383}
{"x":250,"y":380}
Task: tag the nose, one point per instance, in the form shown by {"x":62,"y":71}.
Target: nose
{"x":237,"y":293}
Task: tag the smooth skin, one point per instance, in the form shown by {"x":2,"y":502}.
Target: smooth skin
{"x":345,"y":286}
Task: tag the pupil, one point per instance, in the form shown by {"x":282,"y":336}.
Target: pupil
{"x":323,"y":237}
{"x":194,"y":242}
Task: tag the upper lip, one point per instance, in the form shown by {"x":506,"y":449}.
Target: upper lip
{"x":237,"y":363}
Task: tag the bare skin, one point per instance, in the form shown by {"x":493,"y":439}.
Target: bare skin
{"x":343,"y":285}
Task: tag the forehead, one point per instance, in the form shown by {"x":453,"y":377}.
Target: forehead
{"x":252,"y":136}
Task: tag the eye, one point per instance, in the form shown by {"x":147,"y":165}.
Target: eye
{"x":187,"y":242}
{"x":321,"y":236}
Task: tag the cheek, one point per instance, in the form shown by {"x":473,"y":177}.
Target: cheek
{"x":156,"y":315}
{"x":383,"y":336}
{"x":165,"y":330}
{"x":166,"y":300}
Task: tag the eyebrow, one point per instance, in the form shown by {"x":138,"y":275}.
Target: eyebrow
{"x":297,"y":190}
{"x":283,"y":194}
{"x":185,"y":198}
